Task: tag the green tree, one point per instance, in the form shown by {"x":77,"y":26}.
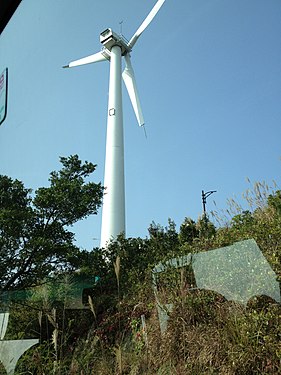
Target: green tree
{"x":163,"y":242}
{"x":35,"y":239}
{"x":274,"y":201}
{"x":188,"y":231}
{"x":244,"y":219}
{"x":205,"y":227}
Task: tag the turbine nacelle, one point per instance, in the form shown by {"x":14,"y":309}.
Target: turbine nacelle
{"x":109,"y":39}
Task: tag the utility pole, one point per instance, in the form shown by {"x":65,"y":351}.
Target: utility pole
{"x":204,"y":198}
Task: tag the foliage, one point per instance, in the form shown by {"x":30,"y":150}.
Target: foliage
{"x":205,"y":335}
{"x":205,"y":227}
{"x":188,"y":231}
{"x":35,"y":239}
{"x":274,"y":201}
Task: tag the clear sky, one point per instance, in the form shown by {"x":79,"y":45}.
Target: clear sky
{"x":209,"y":78}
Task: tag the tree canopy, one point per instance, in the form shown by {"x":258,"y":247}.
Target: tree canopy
{"x":35,"y":239}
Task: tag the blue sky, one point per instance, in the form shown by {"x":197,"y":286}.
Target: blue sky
{"x":209,"y":78}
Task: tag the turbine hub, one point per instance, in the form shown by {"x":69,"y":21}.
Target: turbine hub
{"x":109,"y":39}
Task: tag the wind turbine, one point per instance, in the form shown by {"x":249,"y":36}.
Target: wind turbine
{"x":115,"y":47}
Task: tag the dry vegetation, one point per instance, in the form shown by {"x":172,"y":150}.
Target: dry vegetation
{"x":206,"y":334}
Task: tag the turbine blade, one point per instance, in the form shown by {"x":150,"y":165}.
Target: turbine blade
{"x":97,"y":57}
{"x":146,"y":22}
{"x":130,"y":82}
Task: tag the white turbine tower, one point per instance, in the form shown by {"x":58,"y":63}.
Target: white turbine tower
{"x":114,"y":47}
